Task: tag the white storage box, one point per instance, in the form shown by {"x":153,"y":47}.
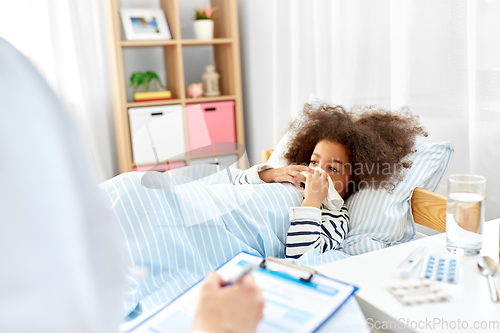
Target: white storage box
{"x":157,"y":133}
{"x":225,"y":161}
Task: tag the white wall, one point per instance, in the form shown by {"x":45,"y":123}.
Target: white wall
{"x":256,"y":49}
{"x":439,"y":58}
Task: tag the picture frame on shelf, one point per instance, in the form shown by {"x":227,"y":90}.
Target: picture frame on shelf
{"x":144,"y":24}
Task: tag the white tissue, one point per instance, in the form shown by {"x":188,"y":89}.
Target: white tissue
{"x":333,"y":200}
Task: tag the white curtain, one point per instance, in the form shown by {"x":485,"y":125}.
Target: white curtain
{"x":440,"y":58}
{"x":65,"y":39}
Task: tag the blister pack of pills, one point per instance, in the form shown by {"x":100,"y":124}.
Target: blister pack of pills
{"x":442,"y":269}
{"x":417,"y":292}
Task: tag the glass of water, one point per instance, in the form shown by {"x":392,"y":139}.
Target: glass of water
{"x":465,"y":214}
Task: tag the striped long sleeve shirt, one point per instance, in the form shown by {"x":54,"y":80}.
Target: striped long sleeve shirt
{"x":310,"y":227}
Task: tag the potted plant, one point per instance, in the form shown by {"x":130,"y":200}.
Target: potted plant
{"x":204,"y":23}
{"x":138,"y":79}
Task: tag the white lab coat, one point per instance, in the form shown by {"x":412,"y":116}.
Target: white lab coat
{"x":60,"y":262}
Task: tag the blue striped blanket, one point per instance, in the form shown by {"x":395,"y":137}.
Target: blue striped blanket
{"x":180,"y":225}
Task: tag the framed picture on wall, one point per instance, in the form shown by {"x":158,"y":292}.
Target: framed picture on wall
{"x":144,"y":24}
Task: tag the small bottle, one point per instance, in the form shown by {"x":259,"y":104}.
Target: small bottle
{"x":211,"y":82}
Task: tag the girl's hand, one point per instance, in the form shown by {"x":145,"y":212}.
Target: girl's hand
{"x":285,"y":174}
{"x":316,"y":189}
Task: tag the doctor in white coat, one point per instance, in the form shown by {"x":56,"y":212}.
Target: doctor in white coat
{"x":61,"y":268}
{"x":60,"y":262}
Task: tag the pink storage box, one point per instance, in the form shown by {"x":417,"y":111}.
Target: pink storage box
{"x":160,"y":167}
{"x":208,"y":123}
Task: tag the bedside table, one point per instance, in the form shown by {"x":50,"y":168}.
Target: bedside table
{"x":469,"y":307}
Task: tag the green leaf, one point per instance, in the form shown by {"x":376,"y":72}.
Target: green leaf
{"x":138,"y":79}
{"x":200,"y":15}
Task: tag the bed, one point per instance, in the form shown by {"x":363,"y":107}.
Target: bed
{"x":178,"y":226}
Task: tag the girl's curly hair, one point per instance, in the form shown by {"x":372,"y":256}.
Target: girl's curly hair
{"x":378,"y":141}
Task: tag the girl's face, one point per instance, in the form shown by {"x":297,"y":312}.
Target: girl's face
{"x":333,"y":158}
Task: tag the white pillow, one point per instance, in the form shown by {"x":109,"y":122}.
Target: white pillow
{"x":379,"y":219}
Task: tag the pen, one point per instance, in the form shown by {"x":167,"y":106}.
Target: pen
{"x":240,"y":276}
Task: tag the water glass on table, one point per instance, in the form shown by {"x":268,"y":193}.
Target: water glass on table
{"x":465,"y":214}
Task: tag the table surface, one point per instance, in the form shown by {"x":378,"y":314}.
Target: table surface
{"x":470,"y":302}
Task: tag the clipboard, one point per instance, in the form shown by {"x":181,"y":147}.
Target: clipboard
{"x":297,"y":299}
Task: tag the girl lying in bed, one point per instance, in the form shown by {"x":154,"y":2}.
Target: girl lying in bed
{"x":357,"y":149}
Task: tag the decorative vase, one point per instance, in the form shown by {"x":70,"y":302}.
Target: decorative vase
{"x":203,"y":29}
{"x":211,"y":82}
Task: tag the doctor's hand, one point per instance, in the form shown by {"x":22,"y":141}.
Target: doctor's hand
{"x":236,"y":308}
{"x":285,"y":174}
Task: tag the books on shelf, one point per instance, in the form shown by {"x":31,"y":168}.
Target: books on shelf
{"x":152,"y":96}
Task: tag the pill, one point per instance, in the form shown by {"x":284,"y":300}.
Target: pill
{"x":400,"y":293}
{"x":408,"y":300}
{"x":415,"y":284}
{"x":434,"y":289}
{"x":426,"y":282}
{"x":442,"y":296}
{"x":419,"y":299}
{"x":405,"y":285}
{"x":431,"y":298}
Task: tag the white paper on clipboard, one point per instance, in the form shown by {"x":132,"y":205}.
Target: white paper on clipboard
{"x":291,"y":305}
